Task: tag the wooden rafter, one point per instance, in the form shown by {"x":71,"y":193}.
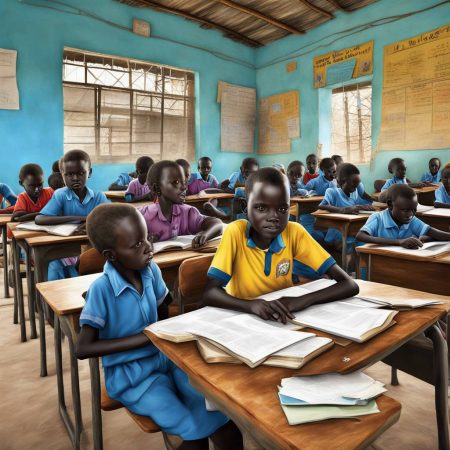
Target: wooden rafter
{"x":253,"y":12}
{"x":337,"y":5}
{"x":317,"y":9}
{"x":206,"y":23}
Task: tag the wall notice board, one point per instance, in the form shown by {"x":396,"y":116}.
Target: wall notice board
{"x":416,"y":92}
{"x":279,"y":122}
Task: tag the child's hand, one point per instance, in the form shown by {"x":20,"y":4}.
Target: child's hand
{"x":274,"y":310}
{"x":153,"y":238}
{"x":412,"y":243}
{"x":352,"y":209}
{"x":224,"y":184}
{"x":425,"y":238}
{"x":80,"y":230}
{"x":366,"y":208}
{"x":199,"y":240}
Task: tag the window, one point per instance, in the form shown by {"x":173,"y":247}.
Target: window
{"x":118,"y":109}
{"x":351,"y":134}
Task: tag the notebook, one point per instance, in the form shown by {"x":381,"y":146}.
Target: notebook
{"x":179,"y":243}
{"x":434,"y":248}
{"x":65,"y":229}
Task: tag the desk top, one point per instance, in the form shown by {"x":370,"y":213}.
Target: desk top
{"x":5,"y":218}
{"x":50,"y":239}
{"x":23,"y":234}
{"x":443,"y":213}
{"x":204,"y":197}
{"x":423,"y":190}
{"x":313,"y":199}
{"x":115,"y":195}
{"x":321,"y":214}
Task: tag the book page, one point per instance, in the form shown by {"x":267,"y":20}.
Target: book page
{"x":428,"y":249}
{"x":9,"y":93}
{"x":176,"y":242}
{"x":444,"y":212}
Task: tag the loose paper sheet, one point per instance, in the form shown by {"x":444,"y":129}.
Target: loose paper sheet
{"x":9,"y":94}
{"x":416,"y":92}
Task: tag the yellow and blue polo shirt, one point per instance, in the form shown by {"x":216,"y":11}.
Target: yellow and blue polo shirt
{"x":247,"y":272}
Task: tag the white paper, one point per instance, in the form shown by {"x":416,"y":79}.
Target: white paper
{"x":443,"y":212}
{"x":9,"y":94}
{"x":65,"y":229}
{"x":428,"y":249}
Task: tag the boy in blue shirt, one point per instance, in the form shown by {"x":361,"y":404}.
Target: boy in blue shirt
{"x":295,"y":172}
{"x":326,"y":179}
{"x":397,"y":225}
{"x":442,"y":194}
{"x":237,"y":179}
{"x":434,"y":174}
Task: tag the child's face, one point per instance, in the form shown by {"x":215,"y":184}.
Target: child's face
{"x":76,"y":174}
{"x":329,"y":172}
{"x":434,"y":166}
{"x":33,"y":185}
{"x":311,"y":165}
{"x":248,"y":170}
{"x":268,"y":209}
{"x":204,"y":167}
{"x":132,"y":250}
{"x":351,"y":184}
{"x":446,"y":179}
{"x":399,"y":170}
{"x":141,"y":173}
{"x":403,"y":209}
{"x":295,"y":173}
{"x":173,"y":184}
{"x":187,"y":171}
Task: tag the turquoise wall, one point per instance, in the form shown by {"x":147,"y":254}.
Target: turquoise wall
{"x":272,"y":78}
{"x":35,"y":132}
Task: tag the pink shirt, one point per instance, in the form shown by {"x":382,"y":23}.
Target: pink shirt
{"x":197,"y":183}
{"x":137,"y":189}
{"x":185,"y":220}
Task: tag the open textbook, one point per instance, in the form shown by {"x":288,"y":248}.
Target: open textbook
{"x":179,"y":242}
{"x":428,"y":249}
{"x":65,"y":229}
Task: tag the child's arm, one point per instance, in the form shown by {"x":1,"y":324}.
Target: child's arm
{"x":130,"y":198}
{"x":412,"y":242}
{"x":437,"y":235}
{"x":117,"y":187}
{"x":441,"y":205}
{"x":213,"y":191}
{"x":415,"y":185}
{"x":342,"y":210}
{"x":41,"y":219}
{"x":8,"y":210}
{"x":23,"y":216}
{"x":210,"y":228}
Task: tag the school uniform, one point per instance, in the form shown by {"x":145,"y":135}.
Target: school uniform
{"x":441,"y":195}
{"x":337,"y":197}
{"x":65,"y":202}
{"x":392,"y":181}
{"x":6,"y":193}
{"x":320,"y":184}
{"x":124,"y":179}
{"x":430,"y":178}
{"x":197,"y":183}
{"x":247,"y":272}
{"x":382,"y":224}
{"x":298,"y":189}
{"x":237,"y":179}
{"x":136,"y":189}
{"x":186,"y":219}
{"x":144,"y":379}
{"x":308,"y":177}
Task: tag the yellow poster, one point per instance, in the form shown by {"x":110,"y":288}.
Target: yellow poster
{"x":416,"y":92}
{"x":352,"y":62}
{"x":279,"y":122}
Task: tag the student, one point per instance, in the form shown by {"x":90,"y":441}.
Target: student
{"x":186,"y":168}
{"x":295,"y":172}
{"x":55,"y":166}
{"x":35,"y":197}
{"x":70,"y":204}
{"x":434,"y":174}
{"x":6,"y":193}
{"x":338,"y":159}
{"x":327,"y":179}
{"x":125,"y":299}
{"x":169,"y":217}
{"x":279,"y":167}
{"x":122,"y":181}
{"x":55,"y":181}
{"x":138,"y":189}
{"x":442,"y":195}
{"x":311,"y":164}
{"x":397,"y":225}
{"x":237,"y":179}
{"x":260,"y":255}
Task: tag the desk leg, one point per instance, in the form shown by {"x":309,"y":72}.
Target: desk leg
{"x":95,"y":399}
{"x":5,"y":261}
{"x":16,"y":300}
{"x":18,"y":292}
{"x":31,"y":296}
{"x":344,"y":233}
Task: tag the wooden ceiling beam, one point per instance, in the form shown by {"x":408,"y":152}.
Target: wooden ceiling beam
{"x":204,"y":22}
{"x":317,"y":9}
{"x":337,"y":5}
{"x":254,"y":13}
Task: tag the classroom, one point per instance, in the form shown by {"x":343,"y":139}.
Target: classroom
{"x":224,"y":224}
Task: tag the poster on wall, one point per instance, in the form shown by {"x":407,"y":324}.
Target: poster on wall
{"x":343,"y":65}
{"x":9,"y":94}
{"x":415,"y":111}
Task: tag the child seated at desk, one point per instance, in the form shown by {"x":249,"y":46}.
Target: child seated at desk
{"x":338,"y":159}
{"x":138,"y":190}
{"x":55,"y":181}
{"x":6,"y":193}
{"x":237,"y":179}
{"x":120,"y":304}
{"x":261,"y":254}
{"x":70,"y":204}
{"x":326,"y":180}
{"x":295,"y":172}
{"x":397,"y":225}
{"x":434,"y":174}
{"x":311,"y":164}
{"x":442,"y":195}
{"x":122,"y":181}
{"x":169,"y":217}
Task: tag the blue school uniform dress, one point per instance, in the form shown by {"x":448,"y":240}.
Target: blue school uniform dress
{"x":441,"y":195}
{"x":6,"y":193}
{"x":392,"y":181}
{"x":382,"y":224}
{"x":144,"y":379}
{"x":66,"y":203}
{"x":236,"y":180}
{"x":428,"y":177}
{"x":337,"y":197}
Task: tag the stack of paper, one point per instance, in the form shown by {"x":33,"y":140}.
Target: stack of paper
{"x":321,"y":397}
{"x":65,"y":229}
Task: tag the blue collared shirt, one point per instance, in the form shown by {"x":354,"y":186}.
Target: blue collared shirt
{"x":117,"y":310}
{"x":236,"y":180}
{"x":391,"y":181}
{"x":66,"y":203}
{"x":337,"y":197}
{"x":428,"y":177}
{"x":7,"y":193}
{"x":382,"y":225}
{"x":441,"y":195}
{"x":320,"y":184}
{"x":123,"y":179}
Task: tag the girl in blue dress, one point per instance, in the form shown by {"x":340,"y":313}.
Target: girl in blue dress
{"x":127,"y":298}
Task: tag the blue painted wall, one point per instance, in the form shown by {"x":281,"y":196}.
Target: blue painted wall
{"x":273,"y":78}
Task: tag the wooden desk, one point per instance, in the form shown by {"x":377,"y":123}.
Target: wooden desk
{"x":4,"y":220}
{"x":436,"y":218}
{"x":115,"y":196}
{"x":224,"y":199}
{"x":306,"y":205}
{"x":425,"y":195}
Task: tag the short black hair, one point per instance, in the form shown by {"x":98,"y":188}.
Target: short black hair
{"x":345,"y":171}
{"x":204,"y":159}
{"x":249,"y":162}
{"x":312,"y":155}
{"x":55,"y":180}
{"x":154,"y":174}
{"x":438,"y":159}
{"x":75,"y":155}
{"x":294,"y":164}
{"x":338,"y":159}
{"x":55,"y":166}
{"x":394,"y":162}
{"x":102,"y":223}
{"x":399,"y":191}
{"x":143,"y":163}
{"x":268,"y":175}
{"x":326,"y":162}
{"x":183,"y":163}
{"x":30,"y":169}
